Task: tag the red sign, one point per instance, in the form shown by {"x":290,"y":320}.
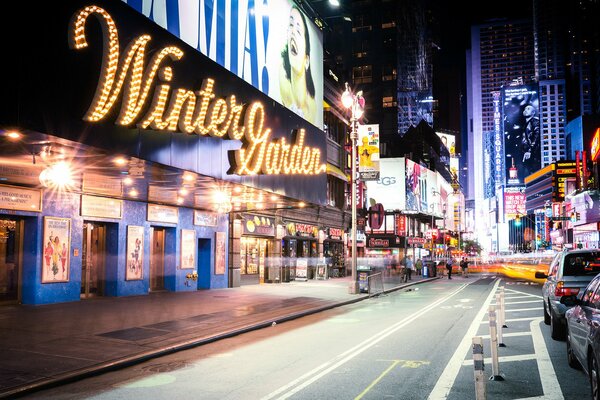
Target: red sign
{"x":400,"y":224}
{"x":336,"y":233}
{"x":595,"y":146}
{"x":376,"y":216}
{"x":415,"y":240}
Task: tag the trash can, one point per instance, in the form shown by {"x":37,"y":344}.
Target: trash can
{"x":363,"y":272}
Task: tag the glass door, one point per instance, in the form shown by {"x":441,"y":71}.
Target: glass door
{"x":93,"y":259}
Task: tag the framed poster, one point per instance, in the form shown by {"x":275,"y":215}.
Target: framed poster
{"x":220,"y":253}
{"x":188,"y":249}
{"x":57,"y":245}
{"x":135,"y":253}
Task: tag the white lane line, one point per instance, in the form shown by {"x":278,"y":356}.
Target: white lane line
{"x":513,"y":320}
{"x":525,"y":309}
{"x":528,"y":294}
{"x":315,"y":374}
{"x":521,"y":302}
{"x":550,"y":385}
{"x":488,"y":360}
{"x":518,"y":296}
{"x":511,"y":334}
{"x":444,"y":384}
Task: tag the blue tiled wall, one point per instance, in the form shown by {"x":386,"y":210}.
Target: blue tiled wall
{"x":67,"y":205}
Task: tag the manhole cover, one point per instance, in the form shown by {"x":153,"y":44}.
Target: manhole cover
{"x":166,"y":367}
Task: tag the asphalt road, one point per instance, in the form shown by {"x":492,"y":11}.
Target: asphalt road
{"x":410,"y":344}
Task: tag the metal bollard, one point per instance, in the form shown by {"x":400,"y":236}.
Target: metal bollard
{"x":503,"y":307}
{"x":499,"y":324}
{"x":478,"y":368}
{"x":494,"y":345}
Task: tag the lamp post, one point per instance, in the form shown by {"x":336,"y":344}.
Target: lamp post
{"x":355,"y":103}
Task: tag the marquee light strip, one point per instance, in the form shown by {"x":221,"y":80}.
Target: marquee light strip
{"x":183,"y":110}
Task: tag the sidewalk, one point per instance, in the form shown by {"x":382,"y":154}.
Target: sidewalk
{"x":50,"y":345}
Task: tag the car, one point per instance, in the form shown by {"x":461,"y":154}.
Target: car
{"x":583,"y":333}
{"x":568,"y":274}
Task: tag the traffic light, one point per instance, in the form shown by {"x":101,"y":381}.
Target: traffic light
{"x":518,"y":220}
{"x":574,"y":216}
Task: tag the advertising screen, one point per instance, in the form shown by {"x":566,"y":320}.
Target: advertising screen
{"x":272,"y":45}
{"x":514,"y":201}
{"x":521,"y":125}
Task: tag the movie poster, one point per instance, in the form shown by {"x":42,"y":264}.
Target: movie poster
{"x":135,"y":253}
{"x":57,"y":237}
{"x":188,"y":249}
{"x":521,"y":122}
{"x":220,"y":239}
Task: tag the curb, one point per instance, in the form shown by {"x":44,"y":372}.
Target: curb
{"x":124,"y":362}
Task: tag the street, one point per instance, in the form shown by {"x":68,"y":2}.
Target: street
{"x":411,"y":344}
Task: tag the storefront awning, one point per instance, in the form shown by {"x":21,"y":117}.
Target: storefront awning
{"x":338,"y":173}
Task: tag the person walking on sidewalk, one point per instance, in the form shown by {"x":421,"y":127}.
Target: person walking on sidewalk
{"x":409,"y":266}
{"x":464,"y":265}
{"x":449,"y":267}
{"x":419,"y":265}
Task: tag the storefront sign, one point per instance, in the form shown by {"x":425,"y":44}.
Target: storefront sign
{"x":304,"y":230}
{"x":128,"y":79}
{"x":100,"y":184}
{"x":167,"y":214}
{"x":92,"y":206}
{"x":595,"y":145}
{"x":415,"y":240}
{"x":400,"y":222}
{"x":301,"y":269}
{"x":204,"y":218}
{"x":383,"y":241}
{"x":257,"y":225}
{"x":15,"y":198}
{"x":335,"y":233}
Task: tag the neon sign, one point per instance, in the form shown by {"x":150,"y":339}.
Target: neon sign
{"x":129,"y":77}
{"x":595,"y":148}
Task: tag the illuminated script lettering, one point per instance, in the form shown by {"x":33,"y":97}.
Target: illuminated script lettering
{"x":141,"y":85}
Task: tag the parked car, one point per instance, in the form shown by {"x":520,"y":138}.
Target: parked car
{"x":568,"y":274}
{"x":583,"y":333}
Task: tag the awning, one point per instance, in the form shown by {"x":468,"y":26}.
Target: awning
{"x":338,"y":173}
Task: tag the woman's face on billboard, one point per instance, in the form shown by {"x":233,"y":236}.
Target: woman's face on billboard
{"x":297,"y":42}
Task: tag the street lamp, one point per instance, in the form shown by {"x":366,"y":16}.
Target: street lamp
{"x":356,"y":104}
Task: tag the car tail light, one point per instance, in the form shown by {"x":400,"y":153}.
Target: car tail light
{"x":563,"y":291}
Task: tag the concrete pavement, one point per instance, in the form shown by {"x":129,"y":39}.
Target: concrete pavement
{"x":49,"y":345}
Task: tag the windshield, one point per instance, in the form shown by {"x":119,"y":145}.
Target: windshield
{"x":582,"y":264}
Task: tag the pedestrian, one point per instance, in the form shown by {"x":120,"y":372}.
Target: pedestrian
{"x":464,"y":265}
{"x":408,"y":268}
{"x":449,"y":267}
{"x":419,"y":265}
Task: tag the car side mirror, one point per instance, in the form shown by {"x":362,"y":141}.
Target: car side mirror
{"x":570,"y":301}
{"x":540,"y":275}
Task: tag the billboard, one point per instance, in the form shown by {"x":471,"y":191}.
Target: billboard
{"x":272,"y":45}
{"x":514,"y":201}
{"x":416,"y":187}
{"x":389,"y":188}
{"x":521,"y":125}
{"x":449,"y":142}
{"x":368,"y":152}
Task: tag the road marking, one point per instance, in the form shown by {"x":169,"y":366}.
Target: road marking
{"x":521,"y":302}
{"x":446,"y":381}
{"x":528,"y":294}
{"x":550,"y":385}
{"x":525,"y":309}
{"x":384,"y":373}
{"x":512,"y":320}
{"x":510,"y":296}
{"x":488,"y":360}
{"x":315,"y":374}
{"x":511,"y":334}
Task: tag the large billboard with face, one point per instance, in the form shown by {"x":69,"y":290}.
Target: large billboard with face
{"x":270,"y":44}
{"x":521,"y":125}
